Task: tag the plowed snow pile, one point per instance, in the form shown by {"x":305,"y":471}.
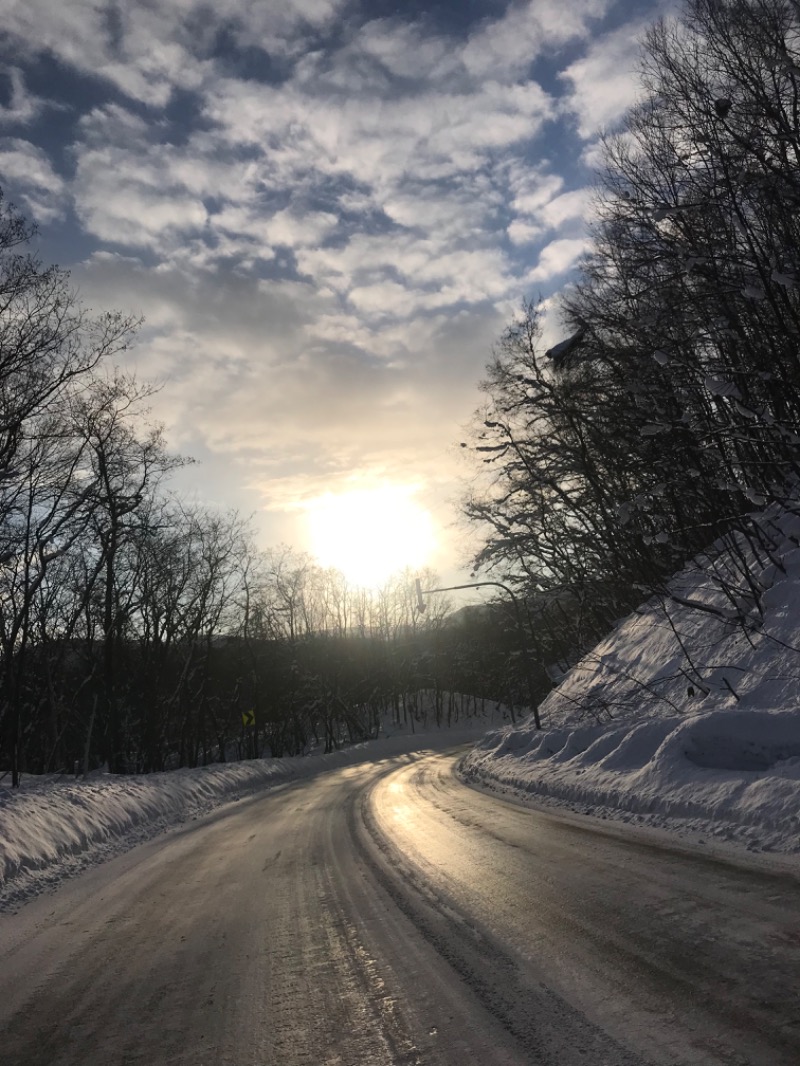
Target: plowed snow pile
{"x":53,"y":827}
{"x":686,"y":717}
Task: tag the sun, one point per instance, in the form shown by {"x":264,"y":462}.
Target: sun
{"x":369,"y":534}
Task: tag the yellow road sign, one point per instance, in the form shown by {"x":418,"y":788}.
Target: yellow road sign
{"x":248,"y":717}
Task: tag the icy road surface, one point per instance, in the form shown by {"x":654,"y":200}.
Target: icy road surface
{"x":386,"y":914}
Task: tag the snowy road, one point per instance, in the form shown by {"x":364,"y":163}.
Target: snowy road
{"x":385,"y":914}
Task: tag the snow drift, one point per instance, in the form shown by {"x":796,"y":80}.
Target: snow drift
{"x":734,"y":775}
{"x":53,"y":827}
{"x":687,"y":716}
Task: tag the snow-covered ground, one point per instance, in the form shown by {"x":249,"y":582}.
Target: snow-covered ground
{"x":681,"y":718}
{"x":53,"y":827}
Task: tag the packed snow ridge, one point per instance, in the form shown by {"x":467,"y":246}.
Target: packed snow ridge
{"x":687,"y":717}
{"x":54,"y":826}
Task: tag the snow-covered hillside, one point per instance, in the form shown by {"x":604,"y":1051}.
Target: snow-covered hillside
{"x":685,"y":717}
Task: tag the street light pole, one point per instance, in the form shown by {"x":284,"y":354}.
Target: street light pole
{"x":522,"y":641}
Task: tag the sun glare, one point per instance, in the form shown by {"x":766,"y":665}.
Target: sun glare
{"x":369,"y":534}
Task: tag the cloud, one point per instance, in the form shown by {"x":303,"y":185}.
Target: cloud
{"x":532,"y":189}
{"x":514,"y":41}
{"x":388,"y":298}
{"x":566,"y":207}
{"x":138,"y":48}
{"x":74,"y":33}
{"x":604,"y":82}
{"x":28,"y":170}
{"x":282,"y":28}
{"x":121,"y":205}
{"x":558,"y":257}
{"x":242,"y":222}
{"x":420,"y":159}
{"x":384,"y":50}
{"x":300,"y":230}
{"x":538,"y":204}
{"x":377,"y":142}
{"x":147,"y":51}
{"x":392,"y":115}
{"x":521,"y":231}
{"x":273,"y":370}
{"x":402,"y":273}
{"x":23,"y":106}
{"x":457,"y":212}
{"x":558,"y":213}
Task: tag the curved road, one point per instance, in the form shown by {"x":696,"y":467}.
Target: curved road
{"x":385,"y":914}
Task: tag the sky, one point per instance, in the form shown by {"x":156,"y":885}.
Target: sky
{"x":326,"y":211}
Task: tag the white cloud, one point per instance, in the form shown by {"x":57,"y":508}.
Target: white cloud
{"x":523,"y":232}
{"x":139,"y":48}
{"x":23,"y":106}
{"x":282,"y":395}
{"x":340,"y":328}
{"x":281,"y":28}
{"x":530,"y":188}
{"x":300,"y":230}
{"x":131,"y":189}
{"x":121,"y":203}
{"x":538,"y":209}
{"x":604,"y":83}
{"x":433,"y":272}
{"x":398,"y":48}
{"x":27,"y":170}
{"x":73,"y":32}
{"x":458,"y":213}
{"x":423,"y":153}
{"x":558,"y":257}
{"x":525,"y":32}
{"x":566,"y":207}
{"x":148,"y":50}
{"x":245,"y":372}
{"x":387,"y":298}
{"x":243,"y":222}
{"x":421,"y":135}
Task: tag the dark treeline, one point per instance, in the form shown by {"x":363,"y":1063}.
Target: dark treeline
{"x":671,"y":411}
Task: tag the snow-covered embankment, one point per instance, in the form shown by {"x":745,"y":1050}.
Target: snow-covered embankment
{"x":731,"y":775}
{"x":687,"y":716}
{"x":53,"y":827}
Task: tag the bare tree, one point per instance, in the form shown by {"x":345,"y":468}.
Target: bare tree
{"x":48,"y":346}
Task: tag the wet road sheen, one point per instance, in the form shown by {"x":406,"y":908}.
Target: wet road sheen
{"x":385,"y":914}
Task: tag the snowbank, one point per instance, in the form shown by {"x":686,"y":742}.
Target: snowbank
{"x":52,"y":827}
{"x":684,"y":717}
{"x":731,"y":775}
